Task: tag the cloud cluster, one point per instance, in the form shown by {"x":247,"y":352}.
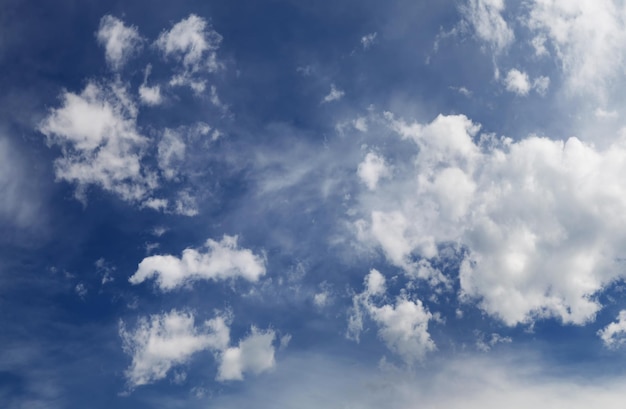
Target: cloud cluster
{"x":221,"y":261}
{"x":98,"y":130}
{"x":542,"y":220}
{"x":164,"y":341}
{"x":101,"y":143}
{"x":403,"y":326}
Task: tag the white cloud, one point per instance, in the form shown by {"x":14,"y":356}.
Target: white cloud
{"x":485,"y":16}
{"x":403,"y":326}
{"x":541,"y":219}
{"x":254,"y":354}
{"x":120,"y":41}
{"x":221,"y":261}
{"x":334,"y":94}
{"x":164,"y":341}
{"x":101,"y":145}
{"x":368,"y":39}
{"x":171,"y":152}
{"x":150,"y":95}
{"x":192,"y":42}
{"x":588,"y":36}
{"x":614,"y":334}
{"x":517,"y":82}
{"x":360,"y":124}
{"x":541,"y":85}
{"x":372,"y":169}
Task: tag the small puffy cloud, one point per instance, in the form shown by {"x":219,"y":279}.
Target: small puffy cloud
{"x":100,"y":142}
{"x":517,"y":82}
{"x":334,"y":94}
{"x":368,"y":39}
{"x":403,"y":326}
{"x":254,"y":354}
{"x":192,"y":42}
{"x":614,"y":334}
{"x":120,"y":41}
{"x":221,"y":260}
{"x":485,"y":16}
{"x":541,"y":220}
{"x":372,"y":169}
{"x":161,"y":342}
{"x":150,"y":95}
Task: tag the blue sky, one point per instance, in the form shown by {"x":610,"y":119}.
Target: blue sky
{"x":350,"y":204}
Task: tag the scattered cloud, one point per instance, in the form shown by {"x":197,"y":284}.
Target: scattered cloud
{"x":120,"y":41}
{"x":334,"y":94}
{"x":614,"y":334}
{"x":221,"y":261}
{"x":368,"y":40}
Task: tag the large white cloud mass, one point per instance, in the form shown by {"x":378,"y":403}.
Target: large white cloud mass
{"x":222,"y":260}
{"x":542,"y":220}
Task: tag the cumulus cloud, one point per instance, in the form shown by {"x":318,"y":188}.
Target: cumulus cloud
{"x":372,"y":169}
{"x":403,"y":326}
{"x":614,"y":334}
{"x":517,"y":82}
{"x":120,"y":41}
{"x":221,"y":260}
{"x":485,"y":16}
{"x":161,"y":342}
{"x":541,"y":219}
{"x":334,"y":94}
{"x":100,"y":142}
{"x":254,"y":354}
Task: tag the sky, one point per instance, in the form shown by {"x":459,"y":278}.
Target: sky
{"x":294,"y":204}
